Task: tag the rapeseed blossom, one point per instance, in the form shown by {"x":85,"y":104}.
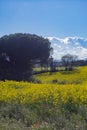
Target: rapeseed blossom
{"x":29,"y":93}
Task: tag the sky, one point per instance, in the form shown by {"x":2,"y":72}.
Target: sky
{"x":59,"y":18}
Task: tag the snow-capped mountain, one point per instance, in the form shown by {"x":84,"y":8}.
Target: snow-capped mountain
{"x":69,"y":45}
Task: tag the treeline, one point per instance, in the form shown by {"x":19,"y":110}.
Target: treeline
{"x":18,"y":53}
{"x":83,"y":62}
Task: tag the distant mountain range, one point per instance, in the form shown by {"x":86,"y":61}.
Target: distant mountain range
{"x":69,"y":45}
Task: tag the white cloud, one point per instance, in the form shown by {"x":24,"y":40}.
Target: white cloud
{"x":72,"y":45}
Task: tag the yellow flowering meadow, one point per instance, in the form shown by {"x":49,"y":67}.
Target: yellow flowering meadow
{"x":60,"y":92}
{"x":77,"y":76}
{"x":29,"y":93}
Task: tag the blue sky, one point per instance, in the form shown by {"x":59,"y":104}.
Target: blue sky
{"x":60,"y":18}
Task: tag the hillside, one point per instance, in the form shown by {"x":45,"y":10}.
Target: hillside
{"x":78,"y":76}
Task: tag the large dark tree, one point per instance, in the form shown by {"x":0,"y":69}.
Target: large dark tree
{"x":17,"y":51}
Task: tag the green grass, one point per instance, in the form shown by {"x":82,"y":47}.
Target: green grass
{"x":20,"y":117}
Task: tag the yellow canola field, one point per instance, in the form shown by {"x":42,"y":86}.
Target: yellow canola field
{"x":29,"y":93}
{"x":78,"y":76}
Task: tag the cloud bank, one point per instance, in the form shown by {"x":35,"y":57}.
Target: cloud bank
{"x":69,"y":45}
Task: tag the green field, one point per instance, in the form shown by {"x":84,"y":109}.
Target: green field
{"x":52,"y":101}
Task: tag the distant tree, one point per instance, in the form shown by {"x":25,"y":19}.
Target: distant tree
{"x":19,"y":51}
{"x":69,"y":61}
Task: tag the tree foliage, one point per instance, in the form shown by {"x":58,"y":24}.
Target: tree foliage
{"x":69,"y":61}
{"x":18,"y":50}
